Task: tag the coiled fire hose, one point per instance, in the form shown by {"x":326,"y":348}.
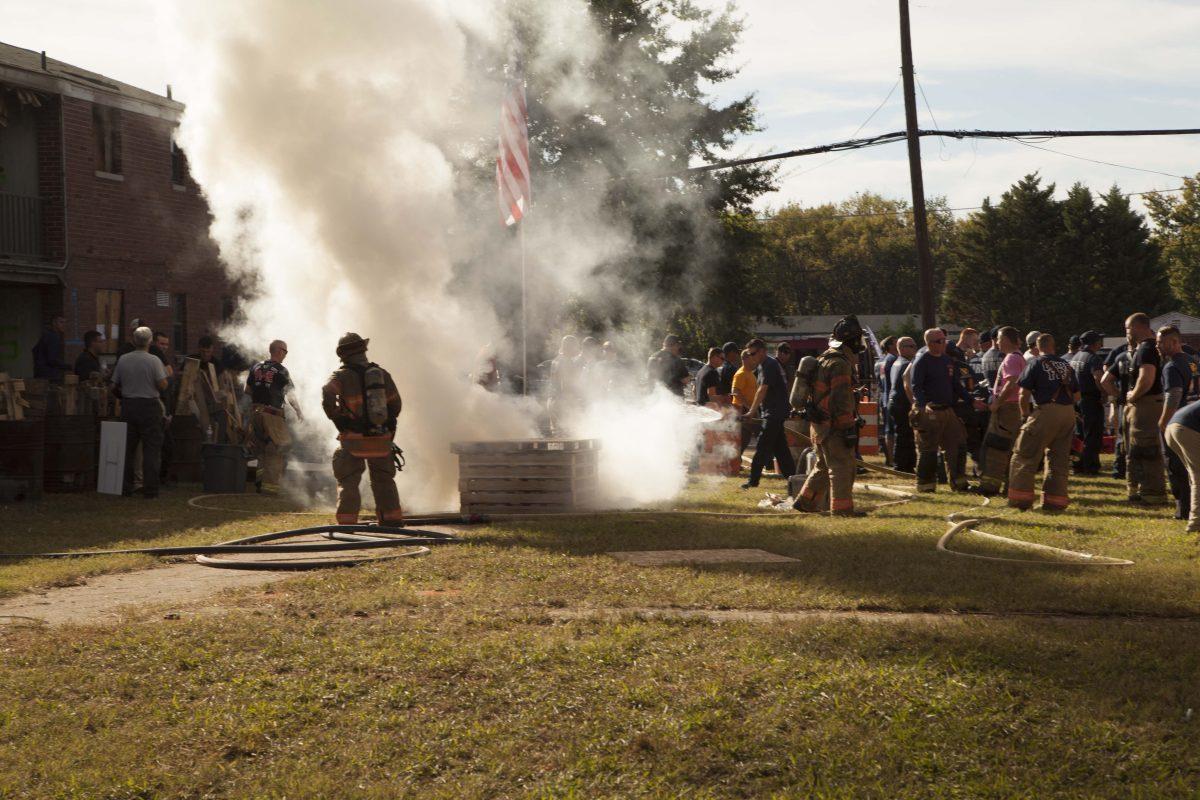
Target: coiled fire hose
{"x":400,"y":542}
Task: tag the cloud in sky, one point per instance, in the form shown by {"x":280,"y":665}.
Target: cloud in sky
{"x":819,"y":69}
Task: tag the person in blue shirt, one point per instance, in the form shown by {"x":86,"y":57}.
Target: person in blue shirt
{"x":1050,"y":386}
{"x":1176,"y":379}
{"x":772,"y":398}
{"x":1089,"y":370}
{"x":48,"y":360}
{"x":937,"y":427}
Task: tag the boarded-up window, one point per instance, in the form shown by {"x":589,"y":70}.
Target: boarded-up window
{"x":178,"y":165}
{"x":106,"y":124}
{"x":179,"y":323}
{"x":110,"y":318}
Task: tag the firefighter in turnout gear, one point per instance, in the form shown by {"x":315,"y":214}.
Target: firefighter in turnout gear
{"x":361,"y":400}
{"x":1144,"y":473}
{"x":833,"y":416}
{"x":267,"y":434}
{"x":1050,"y":383}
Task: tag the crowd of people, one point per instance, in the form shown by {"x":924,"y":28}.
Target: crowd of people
{"x":145,"y":377}
{"x":1006,"y":406}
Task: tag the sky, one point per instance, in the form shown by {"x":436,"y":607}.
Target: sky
{"x":820,"y":69}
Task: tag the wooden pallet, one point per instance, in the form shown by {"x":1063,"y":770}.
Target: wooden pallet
{"x":527,"y":475}
{"x":12,"y":398}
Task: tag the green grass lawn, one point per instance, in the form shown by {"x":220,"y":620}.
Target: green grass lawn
{"x":452,"y":676}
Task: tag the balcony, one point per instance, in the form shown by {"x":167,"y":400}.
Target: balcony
{"x":20,"y":227}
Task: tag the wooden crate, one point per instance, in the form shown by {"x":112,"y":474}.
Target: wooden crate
{"x":525,"y":476}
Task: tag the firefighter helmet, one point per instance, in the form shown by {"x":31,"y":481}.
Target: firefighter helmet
{"x":351,"y":344}
{"x":848,"y":332}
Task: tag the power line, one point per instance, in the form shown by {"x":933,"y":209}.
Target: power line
{"x":1096,"y":161}
{"x":908,"y":212}
{"x":857,"y":130}
{"x":899,"y":136}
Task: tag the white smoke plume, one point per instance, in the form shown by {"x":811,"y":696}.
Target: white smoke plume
{"x":325,"y":134}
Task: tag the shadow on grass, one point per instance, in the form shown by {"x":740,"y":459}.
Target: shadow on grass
{"x":91,"y":521}
{"x":897,"y":568}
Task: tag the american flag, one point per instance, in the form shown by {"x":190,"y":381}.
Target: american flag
{"x":512,"y":165}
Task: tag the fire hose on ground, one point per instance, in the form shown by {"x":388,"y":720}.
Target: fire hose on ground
{"x":397,"y":541}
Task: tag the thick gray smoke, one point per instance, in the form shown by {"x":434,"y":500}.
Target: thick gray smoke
{"x":326,"y":136}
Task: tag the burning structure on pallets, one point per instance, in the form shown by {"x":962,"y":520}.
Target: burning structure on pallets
{"x":527,"y":476}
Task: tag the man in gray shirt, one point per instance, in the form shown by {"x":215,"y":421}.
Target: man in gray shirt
{"x":138,"y":379}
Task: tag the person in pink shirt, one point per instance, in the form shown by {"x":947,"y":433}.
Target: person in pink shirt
{"x":1005,"y":420}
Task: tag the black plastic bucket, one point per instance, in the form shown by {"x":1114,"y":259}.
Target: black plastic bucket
{"x":224,"y":467}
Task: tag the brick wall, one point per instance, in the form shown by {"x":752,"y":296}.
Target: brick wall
{"x":141,"y":234}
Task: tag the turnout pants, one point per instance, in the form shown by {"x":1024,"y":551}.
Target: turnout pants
{"x":270,"y":440}
{"x":833,"y":475}
{"x":904,"y":457}
{"x":1121,"y":448}
{"x":1049,"y":428}
{"x":772,"y":443}
{"x":1091,"y":408}
{"x":1185,"y":445}
{"x":938,"y":428}
{"x":348,"y":471}
{"x":1144,"y":468}
{"x":1003,"y":426}
{"x":143,"y":418}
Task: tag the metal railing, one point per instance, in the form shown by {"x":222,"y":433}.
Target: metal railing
{"x":20,"y":226}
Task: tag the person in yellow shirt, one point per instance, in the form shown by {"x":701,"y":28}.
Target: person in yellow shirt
{"x":744,"y":387}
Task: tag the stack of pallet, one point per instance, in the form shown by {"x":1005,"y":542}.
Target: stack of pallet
{"x":527,"y":476}
{"x":21,"y":442}
{"x":12,"y":398}
{"x":206,"y":411}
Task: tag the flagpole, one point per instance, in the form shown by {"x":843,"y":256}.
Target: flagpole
{"x":524,"y":341}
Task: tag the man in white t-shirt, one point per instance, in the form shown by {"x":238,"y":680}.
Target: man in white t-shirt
{"x":1005,"y":420}
{"x":138,"y":379}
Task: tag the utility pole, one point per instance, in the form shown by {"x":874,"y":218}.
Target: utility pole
{"x":920,"y":223}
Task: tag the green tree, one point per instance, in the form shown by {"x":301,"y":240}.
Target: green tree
{"x":857,"y":256}
{"x":1177,"y":221}
{"x":1006,"y":271}
{"x":1133,"y":274}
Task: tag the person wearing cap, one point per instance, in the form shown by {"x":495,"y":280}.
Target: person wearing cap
{"x":1116,"y":383}
{"x":783,"y":354}
{"x":1073,"y":345}
{"x":362,"y":401}
{"x":1031,"y":343}
{"x":1089,"y":370}
{"x":268,"y":385}
{"x":666,"y":368}
{"x":1049,"y":384}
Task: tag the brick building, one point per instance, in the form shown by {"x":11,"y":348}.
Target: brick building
{"x":99,"y":219}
